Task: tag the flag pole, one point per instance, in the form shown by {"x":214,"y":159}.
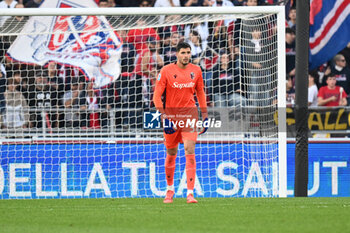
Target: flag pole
{"x":301,"y":98}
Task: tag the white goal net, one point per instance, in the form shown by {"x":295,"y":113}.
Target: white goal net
{"x":76,"y":101}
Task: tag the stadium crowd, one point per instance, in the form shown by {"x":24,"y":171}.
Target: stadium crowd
{"x":214,"y":47}
{"x":329,"y":84}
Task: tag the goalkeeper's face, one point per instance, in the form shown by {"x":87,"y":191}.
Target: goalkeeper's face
{"x":184,"y":56}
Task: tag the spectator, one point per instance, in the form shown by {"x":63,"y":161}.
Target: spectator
{"x":332,"y":95}
{"x":111,"y":3}
{"x":123,"y":86}
{"x":166,"y":31}
{"x":6,"y":4}
{"x":266,"y":2}
{"x":192,"y":3}
{"x":222,"y":3}
{"x":127,"y":3}
{"x":323,"y":70}
{"x":209,"y":62}
{"x":226,"y":85}
{"x":196,"y":47}
{"x":57,"y":86}
{"x":252,"y":2}
{"x":108,"y":100}
{"x":146,"y":72}
{"x":346,"y":54}
{"x":257,"y":69}
{"x":239,"y":2}
{"x":167,"y":3}
{"x":288,"y":4}
{"x":168,"y":18}
{"x":44,"y":99}
{"x":231,"y":40}
{"x":292,"y":18}
{"x":90,"y":105}
{"x":201,"y":28}
{"x":103,"y":4}
{"x":138,"y":85}
{"x":116,"y":95}
{"x":139,"y":36}
{"x":271,"y":2}
{"x":234,"y":32}
{"x":19,"y":81}
{"x":54,"y":81}
{"x":149,"y":59}
{"x":342,"y":72}
{"x":33,"y":4}
{"x":165,"y":38}
{"x":23,"y":84}
{"x":218,"y":37}
{"x":145,"y":3}
{"x":71,"y":101}
{"x":290,"y":51}
{"x":313,"y":90}
{"x":290,"y":91}
{"x":16,"y":114}
{"x":67,"y":73}
{"x":17,"y":22}
{"x":256,"y":47}
{"x":217,"y":42}
{"x":169,"y":52}
{"x":188,"y":3}
{"x":128,"y":54}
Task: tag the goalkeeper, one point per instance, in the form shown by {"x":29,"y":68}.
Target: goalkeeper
{"x":174,"y":98}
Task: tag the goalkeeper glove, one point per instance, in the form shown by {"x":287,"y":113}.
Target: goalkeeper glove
{"x":204,"y":129}
{"x":169,"y":127}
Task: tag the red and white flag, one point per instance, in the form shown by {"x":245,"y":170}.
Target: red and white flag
{"x":84,"y":42}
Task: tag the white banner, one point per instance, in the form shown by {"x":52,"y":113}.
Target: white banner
{"x":86,"y":42}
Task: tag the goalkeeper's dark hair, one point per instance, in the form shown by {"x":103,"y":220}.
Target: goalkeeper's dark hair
{"x":182,"y":45}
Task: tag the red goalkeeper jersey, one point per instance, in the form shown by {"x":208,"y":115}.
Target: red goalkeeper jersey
{"x":179,"y":85}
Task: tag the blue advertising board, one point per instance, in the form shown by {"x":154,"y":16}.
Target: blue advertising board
{"x":137,"y":170}
{"x":329,"y":169}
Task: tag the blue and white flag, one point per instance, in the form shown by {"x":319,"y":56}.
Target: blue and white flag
{"x":86,"y":42}
{"x":329,"y":29}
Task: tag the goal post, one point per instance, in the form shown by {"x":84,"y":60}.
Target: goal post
{"x":282,"y":124}
{"x":79,"y":122}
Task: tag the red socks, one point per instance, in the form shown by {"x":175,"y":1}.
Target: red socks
{"x":190,"y":171}
{"x":170,"y":169}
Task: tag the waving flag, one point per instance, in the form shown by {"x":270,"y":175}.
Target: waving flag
{"x":85,"y":42}
{"x":329,"y":29}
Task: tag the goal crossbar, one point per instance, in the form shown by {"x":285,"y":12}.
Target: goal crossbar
{"x":141,"y":11}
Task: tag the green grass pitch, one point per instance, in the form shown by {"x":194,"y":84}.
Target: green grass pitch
{"x":151,"y":215}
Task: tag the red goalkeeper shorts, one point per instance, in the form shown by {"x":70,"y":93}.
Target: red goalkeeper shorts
{"x":173,"y":140}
